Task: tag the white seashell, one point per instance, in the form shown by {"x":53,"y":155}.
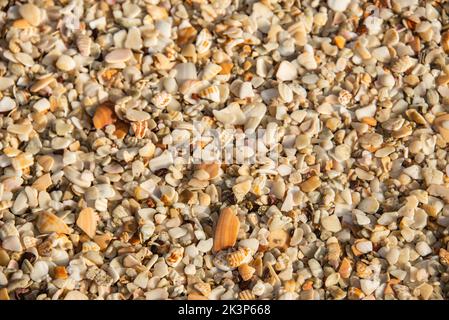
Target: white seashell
{"x":161,"y":100}
{"x":203,"y":42}
{"x":286,"y":71}
{"x":41,"y":105}
{"x":338,"y":5}
{"x":211,"y":93}
{"x":285,"y":92}
{"x":210,"y":71}
{"x":161,"y":162}
{"x":40,"y":271}
{"x":12,"y":243}
{"x":134,"y":39}
{"x":402,"y":64}
{"x":7,"y":104}
{"x":232,"y":114}
{"x":65,"y":63}
{"x":118,"y":56}
{"x":185,"y":71}
{"x":245,"y":90}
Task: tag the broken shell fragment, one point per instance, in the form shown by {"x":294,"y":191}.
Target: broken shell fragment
{"x":48,"y":222}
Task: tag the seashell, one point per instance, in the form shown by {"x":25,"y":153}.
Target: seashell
{"x":30,"y":13}
{"x":118,"y":56}
{"x":29,"y":242}
{"x":161,"y":162}
{"x":7,"y":104}
{"x":87,"y":221}
{"x":161,"y":99}
{"x":102,"y":240}
{"x":212,"y":169}
{"x":49,"y":222}
{"x":402,"y":64}
{"x":196,"y":296}
{"x":241,"y":256}
{"x":42,"y":83}
{"x":186,"y":35}
{"x":203,"y":42}
{"x":60,"y":272}
{"x":157,"y":12}
{"x":286,"y":71}
{"x":174,"y":256}
{"x":4,"y":295}
{"x":43,"y":182}
{"x":65,"y":63}
{"x":12,"y":243}
{"x":185,"y":71}
{"x":226,"y":231}
{"x":161,"y":62}
{"x":104,"y":115}
{"x":246,"y":271}
{"x":247,"y":295}
{"x":241,"y":189}
{"x":83,"y":43}
{"x":75,"y":295}
{"x":344,"y":97}
{"x":121,"y":129}
{"x":21,"y":24}
{"x":203,"y":287}
{"x":139,"y":128}
{"x":442,"y":125}
{"x":210,"y":71}
{"x":310,"y":184}
{"x":445,"y":41}
{"x":22,"y":161}
{"x":40,"y":271}
{"x":212,"y":93}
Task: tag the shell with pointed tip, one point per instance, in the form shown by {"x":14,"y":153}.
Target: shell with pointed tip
{"x":49,"y":222}
{"x":246,"y":271}
{"x":226,"y":231}
{"x":87,"y":221}
{"x":211,"y":93}
{"x":83,"y":43}
{"x":210,"y":71}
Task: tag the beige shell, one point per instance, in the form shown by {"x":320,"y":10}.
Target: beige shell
{"x":49,"y":222}
{"x":226,"y":231}
{"x":213,"y":169}
{"x":278,"y":238}
{"x":175,"y":256}
{"x":87,"y":221}
{"x":402,"y":64}
{"x":247,"y":295}
{"x":203,"y":288}
{"x":139,"y":128}
{"x":203,"y":42}
{"x":161,"y":99}
{"x":210,"y":71}
{"x":236,"y":258}
{"x":246,"y":271}
{"x":83,"y":43}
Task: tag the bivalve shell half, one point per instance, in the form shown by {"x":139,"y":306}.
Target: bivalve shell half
{"x":104,"y":115}
{"x":49,"y":222}
{"x":211,"y":93}
{"x":226,"y":231}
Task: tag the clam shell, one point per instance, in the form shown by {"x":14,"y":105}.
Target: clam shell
{"x":104,"y":115}
{"x":226,"y":231}
{"x":210,"y":71}
{"x":49,"y":222}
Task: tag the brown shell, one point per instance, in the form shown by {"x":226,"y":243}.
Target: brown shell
{"x":226,"y":231}
{"x":211,"y":168}
{"x":104,"y":115}
{"x":60,"y":272}
{"x":246,"y":271}
{"x":49,"y":222}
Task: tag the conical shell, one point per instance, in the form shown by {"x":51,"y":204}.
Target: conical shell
{"x":83,"y":42}
{"x":226,"y":231}
{"x":104,"y":115}
{"x":49,"y":222}
{"x":87,"y":221}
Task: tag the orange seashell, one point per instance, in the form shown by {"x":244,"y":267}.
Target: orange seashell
{"x":226,"y":68}
{"x":49,"y":222}
{"x":246,"y":271}
{"x":186,"y":35}
{"x":345,"y":268}
{"x":211,"y":168}
{"x":21,"y":24}
{"x":103,"y":240}
{"x":87,"y":221}
{"x":340,"y":42}
{"x":226,"y":231}
{"x":43,"y":182}
{"x":247,"y":295}
{"x":104,"y":115}
{"x":203,"y":287}
{"x":60,"y":272}
{"x":4,"y":295}
{"x":196,"y":296}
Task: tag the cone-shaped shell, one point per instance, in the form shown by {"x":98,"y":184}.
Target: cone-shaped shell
{"x":226,"y":231}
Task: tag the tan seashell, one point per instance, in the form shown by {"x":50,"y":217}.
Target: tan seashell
{"x":161,"y":62}
{"x":104,"y":115}
{"x":345,"y":268}
{"x":186,"y":35}
{"x":236,"y":258}
{"x":226,"y":68}
{"x":278,"y":238}
{"x":60,"y":272}
{"x":83,"y":43}
{"x":46,"y":162}
{"x":87,"y":221}
{"x":247,"y":295}
{"x":210,"y":71}
{"x":203,"y":42}
{"x":445,"y":41}
{"x":156,"y":12}
{"x":402,"y":64}
{"x":21,"y":24}
{"x":49,"y":222}
{"x":4,"y":295}
{"x":103,"y":240}
{"x":203,"y":288}
{"x":246,"y":271}
{"x":196,"y":296}
{"x":310,"y":184}
{"x":43,"y":182}
{"x":22,"y":161}
{"x":442,"y":125}
{"x":226,"y":231}
{"x":29,"y":242}
{"x":139,"y":128}
{"x":161,"y":100}
{"x":212,"y":169}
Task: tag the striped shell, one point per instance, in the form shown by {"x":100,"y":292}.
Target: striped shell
{"x":246,"y":271}
{"x":402,"y":64}
{"x":211,"y":93}
{"x":241,"y":256}
{"x":247,"y":295}
{"x":83,"y":43}
{"x":139,"y":128}
{"x":226,"y":231}
{"x":203,"y":288}
{"x":203,"y":42}
{"x":210,"y":71}
{"x":29,"y":242}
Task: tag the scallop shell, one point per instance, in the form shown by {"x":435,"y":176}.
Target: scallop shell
{"x":210,"y":71}
{"x":211,"y":93}
{"x":104,"y":115}
{"x":241,"y":256}
{"x":246,"y":271}
{"x":83,"y":43}
{"x":49,"y":222}
{"x":203,"y":42}
{"x":226,"y":231}
{"x":87,"y":221}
